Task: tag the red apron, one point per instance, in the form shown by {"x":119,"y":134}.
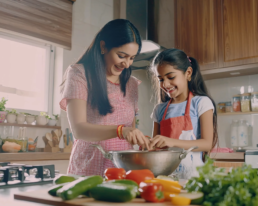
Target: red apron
{"x":173,"y":127}
{"x":181,"y":128}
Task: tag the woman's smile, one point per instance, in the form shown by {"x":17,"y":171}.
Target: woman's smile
{"x":118,"y":69}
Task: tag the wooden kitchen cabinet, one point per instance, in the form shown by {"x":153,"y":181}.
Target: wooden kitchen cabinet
{"x":219,"y":33}
{"x":196,"y":31}
{"x":238,"y":32}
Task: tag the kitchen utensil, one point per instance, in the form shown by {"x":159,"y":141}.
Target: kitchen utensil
{"x":161,"y":162}
{"x":67,"y":136}
{"x":71,"y":137}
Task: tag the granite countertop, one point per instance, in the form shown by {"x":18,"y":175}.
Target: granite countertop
{"x":7,"y":195}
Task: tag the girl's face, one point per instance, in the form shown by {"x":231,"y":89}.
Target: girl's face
{"x":173,"y":81}
{"x":120,"y":58}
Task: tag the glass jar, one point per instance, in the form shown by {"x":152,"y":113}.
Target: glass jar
{"x":246,"y":102}
{"x":236,"y":103}
{"x":243,"y":133}
{"x":254,"y":101}
{"x":234,"y":133}
{"x":221,"y":107}
{"x":228,"y":107}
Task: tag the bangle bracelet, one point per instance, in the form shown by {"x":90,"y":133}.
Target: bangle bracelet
{"x":119,"y":132}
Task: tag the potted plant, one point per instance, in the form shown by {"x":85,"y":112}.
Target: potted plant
{"x":21,"y":118}
{"x":52,"y":120}
{"x":11,"y":116}
{"x":42,"y":118}
{"x":30,"y":118}
{"x":2,"y":109}
{"x":58,"y":123}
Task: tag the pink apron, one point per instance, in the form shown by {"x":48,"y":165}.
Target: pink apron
{"x":181,"y":128}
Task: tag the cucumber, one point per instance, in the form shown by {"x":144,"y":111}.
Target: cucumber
{"x":52,"y":191}
{"x":116,"y":192}
{"x":196,"y":197}
{"x":79,"y":187}
{"x":126,"y":182}
{"x":63,"y":179}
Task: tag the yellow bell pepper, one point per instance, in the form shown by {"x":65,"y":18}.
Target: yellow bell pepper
{"x":167,"y":185}
{"x":175,"y":183}
{"x":179,"y":200}
{"x":168,"y":196}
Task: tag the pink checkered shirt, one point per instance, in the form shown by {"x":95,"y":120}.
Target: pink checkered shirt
{"x":86,"y":160}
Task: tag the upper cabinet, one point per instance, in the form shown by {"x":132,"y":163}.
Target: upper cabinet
{"x":221,"y":34}
{"x":238,"y":32}
{"x":196,"y":31}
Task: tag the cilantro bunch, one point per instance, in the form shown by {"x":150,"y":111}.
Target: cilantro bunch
{"x":236,"y":188}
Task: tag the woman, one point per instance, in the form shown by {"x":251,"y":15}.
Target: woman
{"x":100,"y":97}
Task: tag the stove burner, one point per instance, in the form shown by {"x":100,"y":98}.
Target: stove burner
{"x":13,"y":174}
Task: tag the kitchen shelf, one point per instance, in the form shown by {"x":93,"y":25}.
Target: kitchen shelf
{"x":33,"y":156}
{"x":236,"y":113}
{"x":30,"y":125}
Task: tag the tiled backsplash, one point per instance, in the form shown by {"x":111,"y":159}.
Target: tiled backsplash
{"x":222,"y":90}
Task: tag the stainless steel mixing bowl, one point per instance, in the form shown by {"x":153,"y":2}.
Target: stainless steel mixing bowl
{"x":160,"y":162}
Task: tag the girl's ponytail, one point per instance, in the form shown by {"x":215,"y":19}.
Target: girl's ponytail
{"x":197,"y":87}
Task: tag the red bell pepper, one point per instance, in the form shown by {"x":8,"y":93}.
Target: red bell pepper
{"x":152,"y":192}
{"x":139,"y":175}
{"x":115,"y":173}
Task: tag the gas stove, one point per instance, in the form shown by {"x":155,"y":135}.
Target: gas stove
{"x":14,"y":175}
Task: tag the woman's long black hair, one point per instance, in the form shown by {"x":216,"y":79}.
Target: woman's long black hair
{"x":179,"y":60}
{"x":115,"y":34}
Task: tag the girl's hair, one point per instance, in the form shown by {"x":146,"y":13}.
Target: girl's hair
{"x":115,"y":33}
{"x":179,"y":60}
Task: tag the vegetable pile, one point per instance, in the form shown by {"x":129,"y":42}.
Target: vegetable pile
{"x":238,"y":187}
{"x":121,"y":186}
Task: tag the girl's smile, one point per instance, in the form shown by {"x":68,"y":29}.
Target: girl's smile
{"x":174,"y":82}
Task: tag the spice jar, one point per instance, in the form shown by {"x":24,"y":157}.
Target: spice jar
{"x":228,"y":107}
{"x":236,"y":103}
{"x":254,"y":101}
{"x":221,"y":107}
{"x":246,"y":102}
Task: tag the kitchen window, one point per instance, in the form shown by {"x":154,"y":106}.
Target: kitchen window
{"x":26,"y":74}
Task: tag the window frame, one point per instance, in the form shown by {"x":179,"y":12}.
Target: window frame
{"x":50,"y":65}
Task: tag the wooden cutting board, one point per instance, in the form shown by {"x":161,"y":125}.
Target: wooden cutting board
{"x":41,"y":196}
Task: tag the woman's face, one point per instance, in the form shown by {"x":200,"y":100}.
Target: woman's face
{"x":120,"y":58}
{"x":173,"y":81}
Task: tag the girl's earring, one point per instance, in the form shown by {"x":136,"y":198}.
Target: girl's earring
{"x":189,"y":79}
{"x":102,"y":52}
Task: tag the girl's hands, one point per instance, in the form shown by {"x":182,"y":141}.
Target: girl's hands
{"x":135,"y":136}
{"x":160,"y":141}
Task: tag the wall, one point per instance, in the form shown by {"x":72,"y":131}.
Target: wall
{"x":222,"y":90}
{"x":145,"y":103}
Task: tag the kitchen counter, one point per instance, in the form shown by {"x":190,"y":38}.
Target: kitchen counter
{"x":7,"y":195}
{"x":235,"y":156}
{"x":33,"y":156}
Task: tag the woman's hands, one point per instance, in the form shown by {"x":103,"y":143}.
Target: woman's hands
{"x":135,"y":136}
{"x":160,"y":141}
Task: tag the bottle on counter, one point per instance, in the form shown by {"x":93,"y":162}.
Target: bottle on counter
{"x":243,"y":133}
{"x":236,"y":103}
{"x":246,"y":102}
{"x":234,"y":133}
{"x":254,"y":101}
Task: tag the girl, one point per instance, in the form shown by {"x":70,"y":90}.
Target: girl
{"x":100,"y":98}
{"x":187,"y":115}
